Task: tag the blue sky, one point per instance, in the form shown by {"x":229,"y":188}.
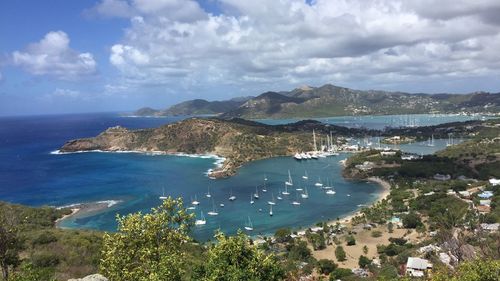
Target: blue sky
{"x":64,"y":56}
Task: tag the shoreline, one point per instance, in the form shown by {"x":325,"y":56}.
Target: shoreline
{"x":82,"y":209}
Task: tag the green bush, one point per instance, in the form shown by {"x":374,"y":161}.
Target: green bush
{"x":364,"y":261}
{"x":350,"y":240}
{"x":376,"y":233}
{"x":45,"y":259}
{"x":340,"y":273}
{"x":340,"y":253}
{"x":326,"y":266}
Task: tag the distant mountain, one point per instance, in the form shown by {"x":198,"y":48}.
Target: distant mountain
{"x":195,"y":107}
{"x":330,"y":100}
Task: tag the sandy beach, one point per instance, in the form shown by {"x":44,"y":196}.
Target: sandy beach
{"x":83,"y":209}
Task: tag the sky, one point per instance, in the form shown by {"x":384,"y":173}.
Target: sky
{"x":60,"y":56}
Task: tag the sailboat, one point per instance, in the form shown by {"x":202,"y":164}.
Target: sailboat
{"x":208,"y":193}
{"x":330,"y":192}
{"x":251,"y":199}
{"x":299,"y":188}
{"x":272,"y":200}
{"x":296,"y":202}
{"x":290,"y":181}
{"x":319,"y":184}
{"x":201,"y":221}
{"x":231,"y":196}
{"x":265,"y":177}
{"x":256,"y":194}
{"x":286,"y":191}
{"x":195,"y":201}
{"x":163,"y":197}
{"x":305,"y":195}
{"x":327,"y":186}
{"x":249,"y":226}
{"x":305,"y":176}
{"x":431,"y":141}
{"x":271,"y":210}
{"x":264,"y":188}
{"x":214,"y":211}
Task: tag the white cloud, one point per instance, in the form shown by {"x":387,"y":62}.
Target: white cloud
{"x":65,"y":93}
{"x":53,"y":56}
{"x":263,"y":44}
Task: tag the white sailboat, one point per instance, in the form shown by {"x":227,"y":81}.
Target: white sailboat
{"x":272,"y":200}
{"x":208,"y":193}
{"x":256,"y":194}
{"x":286,"y":191}
{"x":330,"y":192}
{"x":264,"y":188}
{"x":201,"y":221}
{"x":265,"y":177}
{"x":221,"y":205}
{"x":289,"y":181}
{"x":327,"y":186}
{"x":296,"y":202}
{"x":271,"y":210}
{"x":279,"y":192}
{"x":305,"y":195}
{"x":231,"y":196}
{"x":249,"y":225}
{"x":251,"y":199}
{"x":214,"y":211}
{"x":305,"y":176}
{"x":163,"y":197}
{"x":319,"y":184}
{"x":195,"y":202}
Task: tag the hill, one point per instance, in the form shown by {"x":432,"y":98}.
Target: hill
{"x":330,"y":100}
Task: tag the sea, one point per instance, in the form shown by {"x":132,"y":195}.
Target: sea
{"x":34,"y":174}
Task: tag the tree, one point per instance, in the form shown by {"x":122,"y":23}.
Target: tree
{"x":412,"y":220}
{"x":365,"y":249}
{"x":326,"y":266}
{"x":340,"y":253}
{"x":390,"y":227}
{"x":350,"y":240}
{"x":233,"y":258}
{"x":283,"y":235}
{"x":484,"y":270}
{"x":148,"y":247}
{"x":10,"y":244}
{"x":340,"y":273}
{"x":364,"y":261}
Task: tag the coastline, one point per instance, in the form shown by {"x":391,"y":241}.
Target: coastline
{"x":386,"y":190}
{"x":82,"y":209}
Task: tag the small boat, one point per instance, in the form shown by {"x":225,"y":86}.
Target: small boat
{"x":305,"y":195}
{"x":319,"y":184}
{"x":231,"y":196}
{"x":330,"y":192}
{"x":297,"y":156}
{"x":191,"y":208}
{"x":221,"y":205}
{"x":272,"y":200}
{"x":286,"y":191}
{"x":251,"y":199}
{"x":201,"y":221}
{"x":306,"y":177}
{"x":249,"y":226}
{"x":348,"y":195}
{"x":296,"y":202}
{"x":271,"y":210}
{"x":208,"y":193}
{"x":327,"y":186}
{"x":214,"y":211}
{"x":163,"y":197}
{"x":256,"y":194}
{"x":289,"y":181}
{"x":195,"y":201}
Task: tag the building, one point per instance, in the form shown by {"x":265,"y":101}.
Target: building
{"x":417,"y":267}
{"x":494,"y":182}
{"x":486,"y":194}
{"x":485,"y":202}
{"x":483,"y":209}
{"x":491,"y":227}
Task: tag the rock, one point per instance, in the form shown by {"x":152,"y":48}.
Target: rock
{"x":93,"y":277}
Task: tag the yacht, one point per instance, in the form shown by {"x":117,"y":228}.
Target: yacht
{"x":271,"y":210}
{"x":272,"y":200}
{"x":330,"y":192}
{"x":286,"y":191}
{"x":201,"y":221}
{"x":256,"y":194}
{"x":305,"y":195}
{"x":306,"y":177}
{"x":231,"y":196}
{"x":214,"y":211}
{"x":289,"y":181}
{"x":208,"y":193}
{"x":195,"y":201}
{"x":319,"y":184}
{"x":163,"y":197}
{"x":249,"y":225}
{"x":251,"y":199}
{"x":296,"y":202}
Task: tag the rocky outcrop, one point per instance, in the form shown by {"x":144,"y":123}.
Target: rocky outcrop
{"x":94,"y":277}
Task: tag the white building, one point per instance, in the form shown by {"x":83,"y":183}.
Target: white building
{"x":417,"y":267}
{"x":494,"y":182}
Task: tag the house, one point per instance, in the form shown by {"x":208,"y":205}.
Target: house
{"x":494,"y":182}
{"x":388,"y":153}
{"x":485,"y":202}
{"x":464,"y":194}
{"x":429,"y":193}
{"x":483,"y":209}
{"x":417,"y":267}
{"x":491,"y":227}
{"x":451,"y":192}
{"x":485,"y":194}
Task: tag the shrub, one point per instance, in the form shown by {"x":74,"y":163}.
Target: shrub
{"x":45,"y":237}
{"x":340,"y":253}
{"x":412,"y":220}
{"x":340,"y":273}
{"x":376,"y":233}
{"x":282,"y":235}
{"x":364,"y":261}
{"x":44,"y":259}
{"x":326,"y":266}
{"x":350,"y":240}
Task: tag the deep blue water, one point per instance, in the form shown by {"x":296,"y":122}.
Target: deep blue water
{"x":30,"y":174}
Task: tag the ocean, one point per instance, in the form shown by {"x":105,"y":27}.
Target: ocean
{"x":31,"y":174}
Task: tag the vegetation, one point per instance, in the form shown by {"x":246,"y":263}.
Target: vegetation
{"x":340,"y":253}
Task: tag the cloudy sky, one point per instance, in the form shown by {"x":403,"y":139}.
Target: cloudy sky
{"x":113,"y":55}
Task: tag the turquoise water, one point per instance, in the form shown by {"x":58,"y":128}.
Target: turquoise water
{"x":30,"y":174}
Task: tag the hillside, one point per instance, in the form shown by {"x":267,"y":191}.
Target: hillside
{"x":330,"y":100}
{"x":194,"y":107}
